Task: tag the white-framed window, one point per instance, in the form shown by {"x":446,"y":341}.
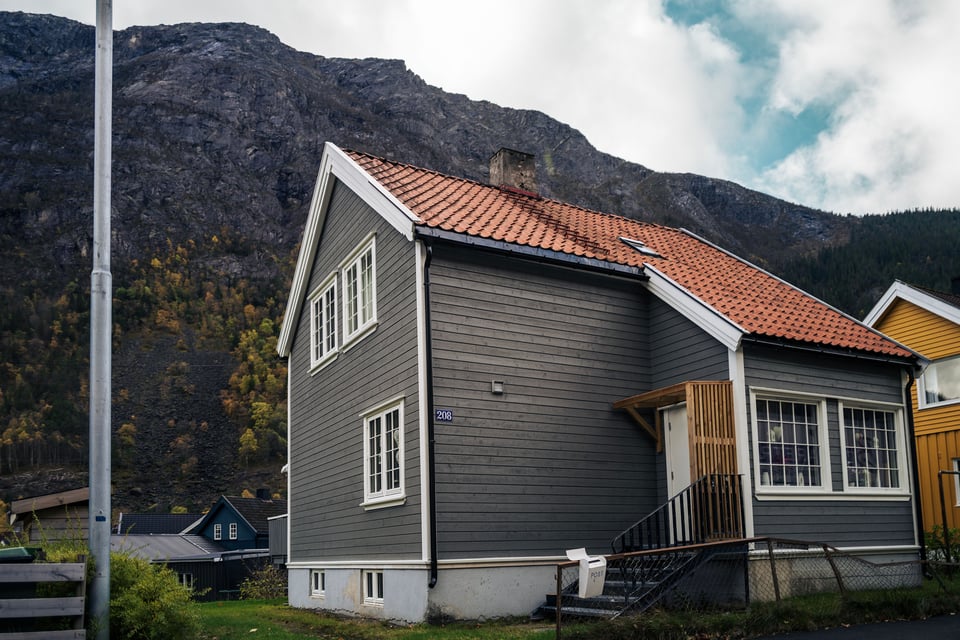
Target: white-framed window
{"x":218,"y":531}
{"x":233,"y":530}
{"x":791,"y":443}
{"x":873,"y":448}
{"x":185,"y":580}
{"x":359,"y":278}
{"x":318,"y":583}
{"x":940,"y":383}
{"x":383,"y":455}
{"x":323,"y":322}
{"x":372,"y":585}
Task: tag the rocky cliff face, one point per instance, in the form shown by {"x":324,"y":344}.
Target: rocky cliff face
{"x":217,"y":135}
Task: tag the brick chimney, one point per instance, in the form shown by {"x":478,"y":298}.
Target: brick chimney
{"x":514,"y":169}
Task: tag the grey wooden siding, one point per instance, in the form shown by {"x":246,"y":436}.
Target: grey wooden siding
{"x":548,"y":465}
{"x":839,"y":522}
{"x":682,"y":351}
{"x":326,"y":431}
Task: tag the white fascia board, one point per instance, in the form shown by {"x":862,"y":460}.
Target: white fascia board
{"x":727,"y":332}
{"x":335,"y":164}
{"x":903,"y":291}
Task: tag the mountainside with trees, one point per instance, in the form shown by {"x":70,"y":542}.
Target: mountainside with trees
{"x":217,"y":135}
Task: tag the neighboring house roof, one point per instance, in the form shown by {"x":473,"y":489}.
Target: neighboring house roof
{"x":50,"y":500}
{"x":255,"y":512}
{"x":165,"y":546}
{"x":945,"y":305}
{"x":155,"y":523}
{"x":731,"y":297}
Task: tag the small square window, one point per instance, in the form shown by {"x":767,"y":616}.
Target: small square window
{"x":318,"y":582}
{"x":372,"y":587}
{"x":185,"y":580}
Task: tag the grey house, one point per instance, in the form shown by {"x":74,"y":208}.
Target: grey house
{"x":481,"y":378}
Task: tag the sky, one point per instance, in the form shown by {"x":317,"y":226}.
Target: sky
{"x":851,"y":107}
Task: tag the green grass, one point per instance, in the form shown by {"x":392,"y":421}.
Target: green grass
{"x":274,"y":620}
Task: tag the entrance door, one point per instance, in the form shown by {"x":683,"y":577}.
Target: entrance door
{"x":676,"y":437}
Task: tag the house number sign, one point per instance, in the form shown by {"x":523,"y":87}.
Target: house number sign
{"x":443,"y":415}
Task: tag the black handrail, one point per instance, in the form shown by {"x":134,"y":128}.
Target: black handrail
{"x":709,"y":509}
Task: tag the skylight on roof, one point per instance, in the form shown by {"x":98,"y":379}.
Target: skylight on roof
{"x":639,"y":246}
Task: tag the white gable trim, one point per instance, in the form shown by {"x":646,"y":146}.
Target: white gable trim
{"x":903,"y":291}
{"x":336,"y":164}
{"x":693,"y":308}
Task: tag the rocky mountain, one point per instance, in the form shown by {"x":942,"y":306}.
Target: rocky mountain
{"x":217,"y":135}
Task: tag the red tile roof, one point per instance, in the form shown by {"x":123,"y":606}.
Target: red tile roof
{"x":756,"y":301}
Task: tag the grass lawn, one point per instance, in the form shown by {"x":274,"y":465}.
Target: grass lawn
{"x":274,"y":620}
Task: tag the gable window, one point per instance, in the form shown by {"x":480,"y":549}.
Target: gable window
{"x":871,"y":442}
{"x":372,"y":582}
{"x":318,"y":582}
{"x":233,"y":530}
{"x":383,"y":456}
{"x":323,"y":322}
{"x":789,"y":443}
{"x":940,"y":382}
{"x":359,"y":291}
{"x":218,"y":532}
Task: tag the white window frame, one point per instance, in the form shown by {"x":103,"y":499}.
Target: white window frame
{"x":956,"y":482}
{"x":359,"y":311}
{"x":925,"y":377}
{"x":318,"y":583}
{"x":185,"y":579}
{"x":383,"y":474}
{"x":324,"y":323}
{"x":900,"y":457}
{"x":371,"y":587}
{"x":823,"y":443}
{"x":233,"y":530}
{"x":218,"y":531}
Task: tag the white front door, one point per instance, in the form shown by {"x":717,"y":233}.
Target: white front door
{"x":677,"y":446}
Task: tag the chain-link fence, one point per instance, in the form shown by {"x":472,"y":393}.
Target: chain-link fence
{"x":724,"y":575}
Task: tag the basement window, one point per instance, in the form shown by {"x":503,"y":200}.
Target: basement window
{"x":372,"y":588}
{"x":641,"y":247}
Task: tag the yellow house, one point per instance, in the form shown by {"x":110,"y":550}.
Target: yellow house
{"x":928,"y":322}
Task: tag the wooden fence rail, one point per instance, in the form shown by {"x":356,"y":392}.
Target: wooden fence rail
{"x":22,"y":607}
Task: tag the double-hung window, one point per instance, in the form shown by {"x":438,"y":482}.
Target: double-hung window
{"x":323,"y":322}
{"x":218,"y":532}
{"x":871,"y":448}
{"x":233,"y":530}
{"x":383,"y":456}
{"x":359,"y":291}
{"x":789,"y":443}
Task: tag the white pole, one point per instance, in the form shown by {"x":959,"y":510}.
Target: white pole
{"x":101,"y":322}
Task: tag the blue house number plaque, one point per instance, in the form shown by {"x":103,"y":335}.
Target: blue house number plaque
{"x":443,"y":415}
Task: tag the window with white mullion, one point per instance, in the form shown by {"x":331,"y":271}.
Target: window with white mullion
{"x":383,"y":456}
{"x":323,"y":323}
{"x":871,"y":448}
{"x":360,"y":291}
{"x":788,"y":443}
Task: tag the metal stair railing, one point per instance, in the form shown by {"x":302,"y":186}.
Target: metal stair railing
{"x":710,"y":509}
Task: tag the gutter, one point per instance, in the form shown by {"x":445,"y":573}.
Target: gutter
{"x":914,"y":471}
{"x":826,"y":350}
{"x":431,"y":439}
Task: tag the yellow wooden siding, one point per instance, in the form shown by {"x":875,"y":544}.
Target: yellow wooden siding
{"x":926,"y":333}
{"x":935,"y":452}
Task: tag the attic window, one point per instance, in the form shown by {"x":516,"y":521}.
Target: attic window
{"x":639,"y":246}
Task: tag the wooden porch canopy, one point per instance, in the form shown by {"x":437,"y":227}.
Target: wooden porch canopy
{"x":710,"y":421}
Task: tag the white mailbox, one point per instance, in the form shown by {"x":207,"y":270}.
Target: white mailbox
{"x":593,"y":572}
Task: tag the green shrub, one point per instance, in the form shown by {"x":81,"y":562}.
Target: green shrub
{"x":147,"y":602}
{"x":266,"y":583}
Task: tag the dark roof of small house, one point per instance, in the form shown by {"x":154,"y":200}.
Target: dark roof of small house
{"x":155,"y":523}
{"x":747,"y":296}
{"x":165,"y":546}
{"x":257,"y":511}
{"x":50,"y":500}
{"x":950,"y":298}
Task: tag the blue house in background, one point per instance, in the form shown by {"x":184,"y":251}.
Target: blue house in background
{"x":239,"y":523}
